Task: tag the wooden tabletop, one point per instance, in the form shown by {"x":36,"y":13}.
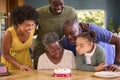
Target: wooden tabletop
{"x":47,"y":75}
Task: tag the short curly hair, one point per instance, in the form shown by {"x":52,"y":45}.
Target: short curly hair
{"x":21,"y":13}
{"x":50,"y":38}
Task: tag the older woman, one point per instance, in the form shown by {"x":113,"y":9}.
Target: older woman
{"x":55,"y":56}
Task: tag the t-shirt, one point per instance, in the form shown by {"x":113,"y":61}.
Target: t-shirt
{"x":49,"y":22}
{"x":89,"y":55}
{"x":67,"y":61}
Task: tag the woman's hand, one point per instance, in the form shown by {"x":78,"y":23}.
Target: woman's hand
{"x":25,"y":68}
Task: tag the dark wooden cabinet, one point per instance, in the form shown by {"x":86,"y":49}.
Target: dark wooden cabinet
{"x":10,"y":5}
{"x":6,"y":6}
{"x":2,"y":6}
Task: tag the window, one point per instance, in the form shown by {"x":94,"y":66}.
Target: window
{"x":92,"y":16}
{"x":2,"y":21}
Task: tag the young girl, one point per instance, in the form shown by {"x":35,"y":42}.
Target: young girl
{"x":90,"y":56}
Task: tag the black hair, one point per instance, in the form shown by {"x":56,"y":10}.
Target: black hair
{"x":70,"y":22}
{"x":89,"y":34}
{"x":21,"y":13}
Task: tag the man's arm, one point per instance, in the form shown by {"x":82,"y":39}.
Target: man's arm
{"x":115,"y":40}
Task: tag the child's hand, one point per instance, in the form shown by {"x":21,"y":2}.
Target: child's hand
{"x":100,"y":67}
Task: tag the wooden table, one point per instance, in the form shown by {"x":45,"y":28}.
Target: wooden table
{"x":47,"y":75}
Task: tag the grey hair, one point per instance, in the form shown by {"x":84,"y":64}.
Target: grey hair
{"x":71,"y":21}
{"x":50,"y":38}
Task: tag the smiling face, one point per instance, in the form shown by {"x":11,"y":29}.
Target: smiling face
{"x":83,"y":45}
{"x":54,"y":50}
{"x":26,"y":27}
{"x":72,"y":31}
{"x":56,"y":6}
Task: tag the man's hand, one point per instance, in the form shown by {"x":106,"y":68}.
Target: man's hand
{"x":113,"y":68}
{"x":84,"y":25}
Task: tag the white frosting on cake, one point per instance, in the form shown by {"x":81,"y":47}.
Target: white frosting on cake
{"x":62,"y":70}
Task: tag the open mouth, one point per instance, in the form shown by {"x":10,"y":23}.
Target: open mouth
{"x":28,"y":31}
{"x":58,"y":11}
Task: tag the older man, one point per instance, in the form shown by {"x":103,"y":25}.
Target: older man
{"x":72,"y":29}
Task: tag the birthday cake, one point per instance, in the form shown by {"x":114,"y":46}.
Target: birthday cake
{"x":62,"y":72}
